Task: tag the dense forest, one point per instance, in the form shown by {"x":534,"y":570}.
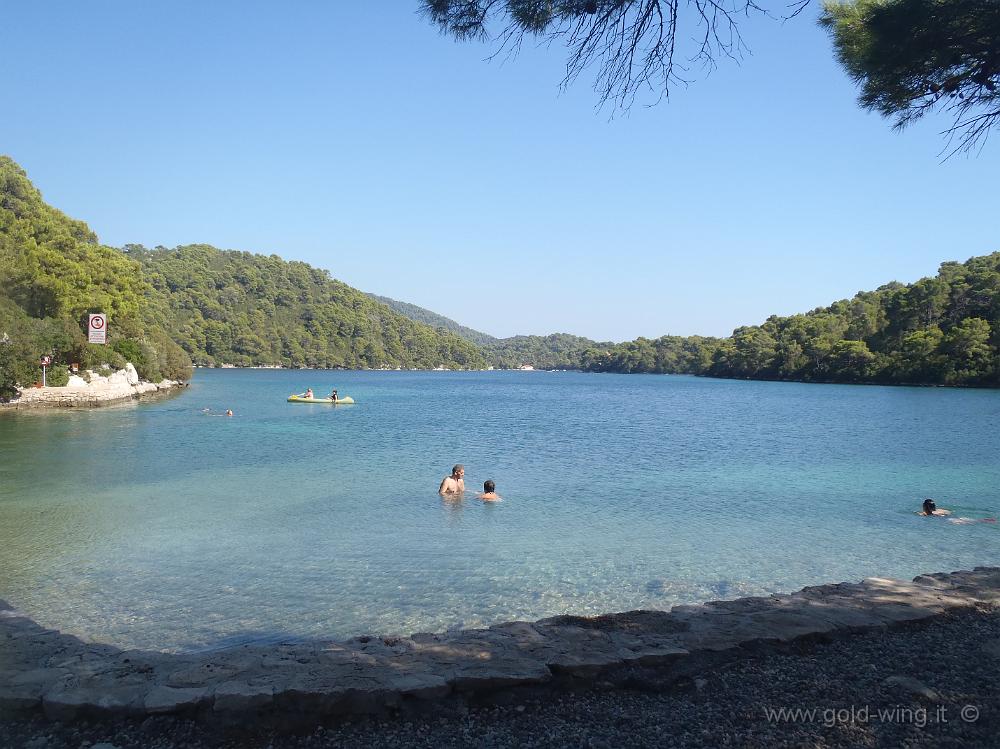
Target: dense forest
{"x":937,"y":331}
{"x":436,"y":321}
{"x":168,"y":308}
{"x":53,"y":272}
{"x":226,"y":307}
{"x":943,"y":330}
{"x":219,"y":307}
{"x":555,"y":351}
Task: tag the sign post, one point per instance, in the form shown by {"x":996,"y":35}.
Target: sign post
{"x":97,"y":328}
{"x":46,"y":361}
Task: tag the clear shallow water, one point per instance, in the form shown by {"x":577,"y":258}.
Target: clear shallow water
{"x":159,"y":526}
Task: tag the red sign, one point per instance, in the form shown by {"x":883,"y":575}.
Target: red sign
{"x":97,"y":328}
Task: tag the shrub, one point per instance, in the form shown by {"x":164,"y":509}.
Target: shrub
{"x":8,"y":374}
{"x":57,"y":376}
{"x":94,"y":356}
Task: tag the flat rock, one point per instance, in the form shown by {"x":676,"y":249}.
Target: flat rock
{"x":67,"y":703}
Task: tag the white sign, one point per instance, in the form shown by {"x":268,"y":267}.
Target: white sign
{"x":97,"y":328}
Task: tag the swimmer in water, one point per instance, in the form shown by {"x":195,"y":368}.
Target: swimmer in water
{"x":929,"y":508}
{"x":489,"y":492}
{"x":454,"y":484}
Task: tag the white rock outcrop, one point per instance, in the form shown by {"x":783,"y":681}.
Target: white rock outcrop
{"x":116,"y":386}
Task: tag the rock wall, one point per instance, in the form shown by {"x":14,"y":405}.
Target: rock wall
{"x":119,"y":386}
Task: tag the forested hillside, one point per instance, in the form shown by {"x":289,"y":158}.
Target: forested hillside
{"x":226,"y":307}
{"x":436,"y":321}
{"x":943,"y":330}
{"x":556,"y":351}
{"x":167,"y":307}
{"x":53,"y":273}
{"x":220,"y":307}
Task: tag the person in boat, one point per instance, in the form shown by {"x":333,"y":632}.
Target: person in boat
{"x":489,"y":492}
{"x":929,"y":508}
{"x":455,"y":483}
{"x":333,"y":395}
{"x":307,"y":394}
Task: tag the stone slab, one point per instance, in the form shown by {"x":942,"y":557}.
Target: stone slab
{"x":163,"y":699}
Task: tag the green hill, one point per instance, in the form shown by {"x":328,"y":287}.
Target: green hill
{"x":436,"y":321}
{"x":53,"y":272}
{"x":555,"y":351}
{"x":228,"y":307}
{"x":220,"y":307}
{"x":942,"y":331}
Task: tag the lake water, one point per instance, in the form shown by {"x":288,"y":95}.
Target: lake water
{"x":159,"y":526}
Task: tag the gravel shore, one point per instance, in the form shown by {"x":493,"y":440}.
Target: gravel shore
{"x":929,"y":684}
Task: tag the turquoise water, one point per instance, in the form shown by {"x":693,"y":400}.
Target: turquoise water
{"x":159,"y":526}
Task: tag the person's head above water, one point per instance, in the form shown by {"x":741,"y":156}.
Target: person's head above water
{"x":929,"y":506}
{"x":457,"y":470}
{"x":489,"y":487}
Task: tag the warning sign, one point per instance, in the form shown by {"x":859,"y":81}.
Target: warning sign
{"x":97,"y":328}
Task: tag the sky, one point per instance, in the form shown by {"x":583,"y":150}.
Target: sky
{"x":355,"y":137}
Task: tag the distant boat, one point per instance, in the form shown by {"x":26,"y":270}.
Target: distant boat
{"x":526,"y":368}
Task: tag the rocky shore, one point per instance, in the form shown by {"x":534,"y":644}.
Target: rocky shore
{"x":644,"y":678}
{"x":93,"y":389}
{"x":851,"y":684}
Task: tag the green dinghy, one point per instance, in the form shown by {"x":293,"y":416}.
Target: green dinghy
{"x":346,"y":400}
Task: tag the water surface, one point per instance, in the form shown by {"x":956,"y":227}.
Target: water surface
{"x":160,"y":526}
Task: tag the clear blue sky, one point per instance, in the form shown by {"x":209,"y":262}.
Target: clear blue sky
{"x":352,"y":136}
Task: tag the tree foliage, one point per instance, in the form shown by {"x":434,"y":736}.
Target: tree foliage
{"x":225,"y":307}
{"x":228,"y":307}
{"x":436,"y":321}
{"x":555,"y":351}
{"x":53,"y":273}
{"x":913,"y":56}
{"x":634,"y":45}
{"x":942,"y":331}
{"x":910,"y":56}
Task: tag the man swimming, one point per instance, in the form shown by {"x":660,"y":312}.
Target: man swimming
{"x":454,"y":484}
